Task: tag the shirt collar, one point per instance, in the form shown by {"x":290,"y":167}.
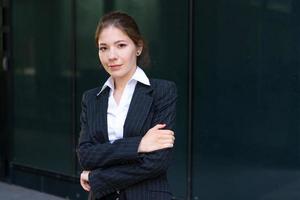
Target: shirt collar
{"x":139,"y":75}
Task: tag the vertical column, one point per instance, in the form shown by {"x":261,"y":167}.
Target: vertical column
{"x":5,"y":85}
{"x":73,"y":68}
{"x":190,"y":99}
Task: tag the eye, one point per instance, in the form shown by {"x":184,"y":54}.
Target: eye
{"x":102,"y":49}
{"x":121,"y":45}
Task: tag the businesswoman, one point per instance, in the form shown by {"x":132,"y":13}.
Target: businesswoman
{"x":126,"y":136}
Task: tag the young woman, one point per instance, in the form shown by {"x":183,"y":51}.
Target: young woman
{"x":127,"y":124}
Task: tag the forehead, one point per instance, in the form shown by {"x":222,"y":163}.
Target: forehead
{"x":112,"y":34}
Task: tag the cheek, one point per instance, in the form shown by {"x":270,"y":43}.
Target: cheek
{"x":101,"y":58}
{"x":131,"y":56}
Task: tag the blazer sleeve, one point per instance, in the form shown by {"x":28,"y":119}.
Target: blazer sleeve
{"x":105,"y":181}
{"x":92,"y":154}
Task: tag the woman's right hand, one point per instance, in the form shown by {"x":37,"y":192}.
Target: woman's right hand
{"x":84,"y":180}
{"x":156,"y":138}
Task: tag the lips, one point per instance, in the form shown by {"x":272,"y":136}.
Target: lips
{"x":114,"y":67}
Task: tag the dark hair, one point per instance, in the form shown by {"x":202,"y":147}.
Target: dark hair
{"x":126,"y":24}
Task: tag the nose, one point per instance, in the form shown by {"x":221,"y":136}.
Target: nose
{"x":112,"y":54}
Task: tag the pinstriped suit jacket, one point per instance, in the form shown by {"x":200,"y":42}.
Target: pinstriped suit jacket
{"x":118,"y":166}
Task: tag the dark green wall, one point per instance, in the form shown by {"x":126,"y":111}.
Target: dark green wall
{"x":245,"y":116}
{"x":246,"y":133}
{"x":42,"y":90}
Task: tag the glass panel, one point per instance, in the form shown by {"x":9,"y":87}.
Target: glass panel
{"x":2,"y":101}
{"x":42,"y":85}
{"x":89,"y":73}
{"x":162,"y":29}
{"x":246,"y":138}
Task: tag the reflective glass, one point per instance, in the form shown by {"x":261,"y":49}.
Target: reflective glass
{"x":41,"y":40}
{"x":246,"y":118}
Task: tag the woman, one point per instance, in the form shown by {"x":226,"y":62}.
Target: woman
{"x":127,"y":125}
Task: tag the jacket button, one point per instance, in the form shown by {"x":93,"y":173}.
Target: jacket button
{"x":117,"y":198}
{"x":118,"y":192}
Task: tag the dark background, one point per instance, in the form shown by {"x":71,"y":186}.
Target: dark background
{"x":236,"y":65}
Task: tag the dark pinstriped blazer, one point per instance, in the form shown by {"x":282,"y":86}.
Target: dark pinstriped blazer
{"x":118,"y":166}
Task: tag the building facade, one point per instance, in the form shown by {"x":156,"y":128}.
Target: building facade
{"x":236,"y":66}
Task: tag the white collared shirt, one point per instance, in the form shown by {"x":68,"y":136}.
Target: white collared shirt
{"x":116,"y":114}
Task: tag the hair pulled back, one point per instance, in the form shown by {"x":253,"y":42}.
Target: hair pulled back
{"x":127,"y":25}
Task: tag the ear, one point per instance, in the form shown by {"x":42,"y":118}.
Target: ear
{"x":140,"y":46}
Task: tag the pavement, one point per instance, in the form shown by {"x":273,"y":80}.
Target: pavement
{"x":13,"y":192}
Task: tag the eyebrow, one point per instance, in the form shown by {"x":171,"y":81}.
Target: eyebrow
{"x":116,"y":42}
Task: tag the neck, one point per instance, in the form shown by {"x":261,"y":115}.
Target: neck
{"x":120,"y":83}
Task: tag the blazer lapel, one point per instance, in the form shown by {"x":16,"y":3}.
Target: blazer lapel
{"x":138,"y":110}
{"x":101,"y":115}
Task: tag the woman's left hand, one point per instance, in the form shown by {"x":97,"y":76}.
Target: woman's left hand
{"x":84,"y":180}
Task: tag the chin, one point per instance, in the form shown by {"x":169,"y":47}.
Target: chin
{"x":117,"y":74}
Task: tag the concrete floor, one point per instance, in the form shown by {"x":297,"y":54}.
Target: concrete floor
{"x":13,"y":192}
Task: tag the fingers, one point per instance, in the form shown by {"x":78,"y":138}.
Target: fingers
{"x":85,"y":185}
{"x":157,"y":129}
{"x":159,"y":126}
{"x":156,"y":138}
{"x":164,"y":137}
{"x":84,"y":181}
{"x":166,"y":141}
{"x":165,"y":132}
{"x":167,"y":145}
